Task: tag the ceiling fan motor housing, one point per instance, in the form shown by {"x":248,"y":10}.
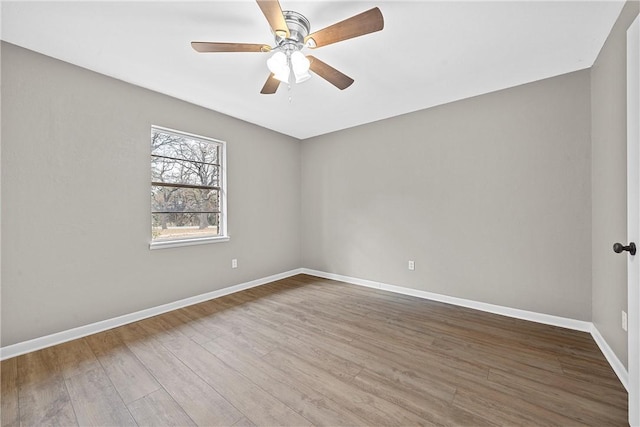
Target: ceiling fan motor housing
{"x":298,"y":29}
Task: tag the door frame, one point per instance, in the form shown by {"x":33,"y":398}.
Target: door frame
{"x":633,"y":217}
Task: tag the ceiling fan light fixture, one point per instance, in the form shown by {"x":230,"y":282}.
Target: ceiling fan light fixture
{"x":282,"y":75}
{"x":299,"y":62}
{"x":300,"y":65}
{"x":279,"y":66}
{"x":303,"y":77}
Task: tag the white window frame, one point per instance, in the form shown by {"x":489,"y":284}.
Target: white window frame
{"x":223,"y":236}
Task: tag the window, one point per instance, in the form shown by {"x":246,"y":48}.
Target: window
{"x":187,"y":189}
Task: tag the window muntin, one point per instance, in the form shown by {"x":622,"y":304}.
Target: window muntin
{"x":187,"y":187}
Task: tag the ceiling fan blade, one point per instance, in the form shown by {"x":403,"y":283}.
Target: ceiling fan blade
{"x":330,"y":74}
{"x":270,"y":86}
{"x":229,"y":47}
{"x":358,"y":25}
{"x":273,"y":12}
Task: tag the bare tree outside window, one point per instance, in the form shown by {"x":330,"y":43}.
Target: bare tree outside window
{"x":186,"y":187}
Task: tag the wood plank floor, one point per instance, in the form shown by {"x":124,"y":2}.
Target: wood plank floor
{"x":306,"y":351}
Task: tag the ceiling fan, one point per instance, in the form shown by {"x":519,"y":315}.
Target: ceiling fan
{"x":291,"y":32}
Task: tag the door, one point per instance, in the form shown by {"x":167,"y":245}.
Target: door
{"x":633,"y":217}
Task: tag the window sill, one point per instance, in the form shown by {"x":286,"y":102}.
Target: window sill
{"x":167,"y":244}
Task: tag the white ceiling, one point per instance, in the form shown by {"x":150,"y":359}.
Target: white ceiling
{"x":429,"y":53}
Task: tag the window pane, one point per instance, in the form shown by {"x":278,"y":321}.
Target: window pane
{"x":183,"y":147}
{"x":186,"y":181}
{"x":184,"y":172}
{"x":184,"y":225}
{"x":172,"y":199}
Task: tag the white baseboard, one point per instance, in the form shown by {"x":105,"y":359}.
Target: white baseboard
{"x":547,"y":319}
{"x":83,"y":331}
{"x":611,"y":357}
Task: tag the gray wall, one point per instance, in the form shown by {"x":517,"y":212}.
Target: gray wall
{"x":75,"y":199}
{"x":609,"y":182}
{"x":490,"y":196}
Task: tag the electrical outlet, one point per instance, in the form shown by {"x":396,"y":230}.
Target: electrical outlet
{"x":624,"y":320}
{"x":234,"y":263}
{"x":412,"y":265}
